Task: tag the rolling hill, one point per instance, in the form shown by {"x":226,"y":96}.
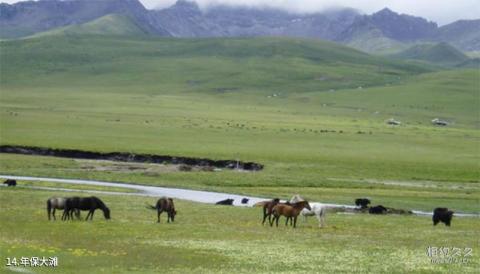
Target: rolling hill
{"x":112,"y":24}
{"x":265,"y":65}
{"x":440,"y":53}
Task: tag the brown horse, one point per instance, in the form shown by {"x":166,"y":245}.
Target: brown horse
{"x":267,"y":207}
{"x":165,"y":204}
{"x":290,"y":211}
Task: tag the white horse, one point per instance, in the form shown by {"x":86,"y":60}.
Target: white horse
{"x":319,"y":210}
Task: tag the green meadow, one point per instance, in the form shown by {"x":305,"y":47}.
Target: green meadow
{"x":314,"y":113}
{"x":216,"y":239}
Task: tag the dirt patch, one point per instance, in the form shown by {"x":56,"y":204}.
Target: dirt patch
{"x":132,"y":157}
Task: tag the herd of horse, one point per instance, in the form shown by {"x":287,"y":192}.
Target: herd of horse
{"x":272,"y":209}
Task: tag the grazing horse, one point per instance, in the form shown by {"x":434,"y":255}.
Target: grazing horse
{"x":319,"y":210}
{"x":10,"y":182}
{"x":86,"y":203}
{"x":289,"y":211}
{"x":58,"y":203}
{"x":267,"y":207}
{"x":165,"y":204}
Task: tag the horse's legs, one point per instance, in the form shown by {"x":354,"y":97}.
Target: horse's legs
{"x":91,"y":216}
{"x":294,"y":221}
{"x":265,"y":216}
{"x":276,"y":219}
{"x":88,"y":215}
{"x":158,"y":216}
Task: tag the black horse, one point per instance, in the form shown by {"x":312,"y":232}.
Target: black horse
{"x":84,"y":203}
{"x":10,"y":182}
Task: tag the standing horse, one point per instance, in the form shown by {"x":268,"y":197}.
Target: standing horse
{"x":165,"y":204}
{"x":267,"y":207}
{"x":87,"y":203}
{"x":58,"y":203}
{"x":319,"y":210}
{"x":289,"y":211}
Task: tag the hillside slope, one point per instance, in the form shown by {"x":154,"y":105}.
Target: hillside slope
{"x":112,"y":24}
{"x":441,"y":53}
{"x":267,"y":65}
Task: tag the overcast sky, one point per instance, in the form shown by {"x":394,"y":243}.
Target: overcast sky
{"x":440,"y":11}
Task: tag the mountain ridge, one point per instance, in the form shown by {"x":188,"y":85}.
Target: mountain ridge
{"x":382,"y":31}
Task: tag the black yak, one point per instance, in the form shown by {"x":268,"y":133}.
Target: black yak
{"x":379,"y":209}
{"x":362,"y":202}
{"x":10,"y":182}
{"x":225,"y":202}
{"x":442,"y":214}
{"x":245,"y":200}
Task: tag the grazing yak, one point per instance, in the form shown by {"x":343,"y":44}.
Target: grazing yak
{"x":225,"y":202}
{"x":362,"y":202}
{"x":379,"y":209}
{"x":10,"y":182}
{"x":442,"y":214}
{"x":245,"y":200}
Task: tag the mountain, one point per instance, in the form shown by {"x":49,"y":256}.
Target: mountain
{"x":463,"y":34}
{"x":112,"y":24}
{"x":382,"y":32}
{"x":440,"y":53}
{"x":185,"y":19}
{"x":26,"y":18}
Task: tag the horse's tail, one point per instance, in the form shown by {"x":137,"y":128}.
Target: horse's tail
{"x":49,"y":208}
{"x":151,"y":207}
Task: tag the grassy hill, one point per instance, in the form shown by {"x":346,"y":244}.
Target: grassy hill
{"x":441,"y":53}
{"x":259,"y":65}
{"x":112,"y":24}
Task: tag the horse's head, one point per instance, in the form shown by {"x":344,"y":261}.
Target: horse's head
{"x":106,"y":213}
{"x":174,"y":212}
{"x":307,"y":206}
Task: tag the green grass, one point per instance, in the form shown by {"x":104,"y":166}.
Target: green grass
{"x":207,"y":238}
{"x":295,"y":106}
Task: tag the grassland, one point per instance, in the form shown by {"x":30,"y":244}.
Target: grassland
{"x":206,"y":238}
{"x":312,"y":112}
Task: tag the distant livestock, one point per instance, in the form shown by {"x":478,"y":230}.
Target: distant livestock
{"x":442,"y":214}
{"x":165,"y":204}
{"x":362,"y":202}
{"x":10,"y":182}
{"x":267,"y":209}
{"x":245,"y":200}
{"x":379,"y":209}
{"x":225,"y":202}
{"x":393,"y":122}
{"x":318,"y":210}
{"x":439,"y":122}
{"x":290,"y":211}
{"x":55,"y":203}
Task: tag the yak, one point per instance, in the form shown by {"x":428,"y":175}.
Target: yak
{"x":442,"y":214}
{"x":362,"y":202}
{"x":225,"y":202}
{"x":379,"y":209}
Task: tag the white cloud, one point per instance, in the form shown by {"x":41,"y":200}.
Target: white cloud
{"x":440,"y":11}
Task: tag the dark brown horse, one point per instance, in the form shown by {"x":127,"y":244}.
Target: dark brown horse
{"x":165,"y":204}
{"x":86,"y":203}
{"x":55,"y":203}
{"x":290,"y":211}
{"x":267,"y":207}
